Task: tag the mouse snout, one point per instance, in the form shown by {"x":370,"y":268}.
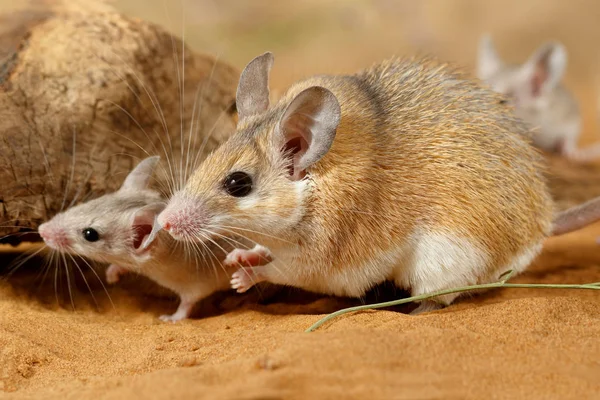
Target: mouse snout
{"x":54,"y":236}
{"x":182,"y":219}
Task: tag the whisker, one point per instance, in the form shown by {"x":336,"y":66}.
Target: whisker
{"x":68,"y":186}
{"x":85,"y":280}
{"x":155,"y":104}
{"x":99,"y":280}
{"x":20,"y":261}
{"x":78,"y":192}
{"x":197,"y":159}
{"x":165,"y":152}
{"x":233,"y":229}
{"x":68,"y":281}
{"x":207,"y":136}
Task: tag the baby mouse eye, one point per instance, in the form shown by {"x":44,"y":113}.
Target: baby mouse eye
{"x":238,"y":184}
{"x":90,"y":234}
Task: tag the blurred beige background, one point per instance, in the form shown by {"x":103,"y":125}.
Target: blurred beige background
{"x":314,"y":36}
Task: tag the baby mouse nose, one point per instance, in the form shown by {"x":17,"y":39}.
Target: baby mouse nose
{"x":43,"y":230}
{"x":53,"y":236}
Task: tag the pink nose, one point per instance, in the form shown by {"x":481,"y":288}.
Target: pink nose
{"x":180,"y":222}
{"x":171,"y":222}
{"x":53,"y":236}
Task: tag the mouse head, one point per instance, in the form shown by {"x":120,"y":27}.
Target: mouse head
{"x":530,"y":85}
{"x":258,"y":182}
{"x":111,"y":227}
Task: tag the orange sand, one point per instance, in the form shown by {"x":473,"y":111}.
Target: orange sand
{"x":510,"y":343}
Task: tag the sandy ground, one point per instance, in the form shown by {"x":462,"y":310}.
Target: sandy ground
{"x":510,"y":343}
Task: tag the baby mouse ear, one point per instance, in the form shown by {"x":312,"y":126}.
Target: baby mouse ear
{"x":145,"y":226}
{"x":545,"y":68}
{"x":308,"y":128}
{"x":252,"y":95}
{"x":140,"y":176}
{"x":488,"y":61}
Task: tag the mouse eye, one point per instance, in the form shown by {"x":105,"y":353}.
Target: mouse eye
{"x":238,"y":184}
{"x":90,"y":234}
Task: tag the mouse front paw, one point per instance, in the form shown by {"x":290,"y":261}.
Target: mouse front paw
{"x":259,"y":255}
{"x":114,"y":273}
{"x":244,"y":278}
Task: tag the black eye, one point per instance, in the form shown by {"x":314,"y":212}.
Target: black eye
{"x":90,"y":234}
{"x":238,"y":184}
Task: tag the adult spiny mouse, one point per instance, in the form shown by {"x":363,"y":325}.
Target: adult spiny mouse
{"x":407,"y":171}
{"x":111,"y":229}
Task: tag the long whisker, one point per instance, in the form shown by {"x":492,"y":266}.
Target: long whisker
{"x":214,"y":257}
{"x":68,"y":281}
{"x":99,"y":280}
{"x":194,"y":249}
{"x":207,"y":136}
{"x":78,"y":192}
{"x":47,"y":267}
{"x":46,"y":161}
{"x":197,"y":159}
{"x":68,"y":187}
{"x":56,"y":281}
{"x":155,"y":103}
{"x":21,"y":261}
{"x":165,"y":152}
{"x":85,"y":280}
{"x":234,"y":229}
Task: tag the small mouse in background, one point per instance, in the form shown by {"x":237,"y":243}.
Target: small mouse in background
{"x":111,"y":229}
{"x":407,"y":171}
{"x":535,"y":90}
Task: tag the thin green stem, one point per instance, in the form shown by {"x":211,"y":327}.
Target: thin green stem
{"x":503,"y":284}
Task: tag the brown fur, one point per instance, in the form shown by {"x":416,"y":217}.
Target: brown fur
{"x":420,"y":148}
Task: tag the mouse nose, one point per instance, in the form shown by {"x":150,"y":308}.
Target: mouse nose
{"x":181,"y":218}
{"x":53,"y":236}
{"x":170,"y":222}
{"x":43,"y":230}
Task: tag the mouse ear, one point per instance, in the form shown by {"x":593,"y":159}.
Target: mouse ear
{"x":545,"y":68}
{"x":308,"y":127}
{"x":141,"y":174}
{"x":144,"y":224}
{"x":488,"y":61}
{"x":252,"y":95}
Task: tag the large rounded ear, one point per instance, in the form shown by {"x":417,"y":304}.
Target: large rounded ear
{"x":545,"y":68}
{"x":308,"y":127}
{"x":145,"y":225}
{"x":488,"y":61}
{"x":139,"y":178}
{"x":252,"y":95}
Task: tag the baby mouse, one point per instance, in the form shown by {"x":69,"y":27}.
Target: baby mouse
{"x":112,"y":227}
{"x":535,"y":90}
{"x":407,"y":171}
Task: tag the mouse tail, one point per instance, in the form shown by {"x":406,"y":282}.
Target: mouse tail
{"x":576,"y":217}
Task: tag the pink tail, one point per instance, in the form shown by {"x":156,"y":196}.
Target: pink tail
{"x":576,"y":217}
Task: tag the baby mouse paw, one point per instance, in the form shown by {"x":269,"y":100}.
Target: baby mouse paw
{"x":114,"y":273}
{"x":171,"y":318}
{"x":259,"y":255}
{"x":244,"y":278}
